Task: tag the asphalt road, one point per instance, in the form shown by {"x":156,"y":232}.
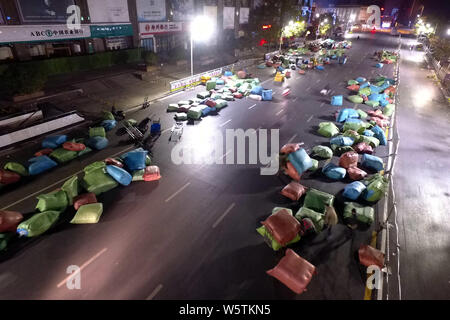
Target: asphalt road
{"x":192,"y":235}
{"x":421,"y":184}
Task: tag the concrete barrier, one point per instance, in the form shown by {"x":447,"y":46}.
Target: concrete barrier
{"x":21,"y":119}
{"x":40,"y":129}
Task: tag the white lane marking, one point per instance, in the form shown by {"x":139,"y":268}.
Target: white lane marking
{"x":318,"y":81}
{"x":309,"y":119}
{"x":84,"y":265}
{"x":224,"y":123}
{"x":57,"y":182}
{"x":252,"y":106}
{"x":307,"y":89}
{"x":154,"y":292}
{"x":279,"y":112}
{"x":176,"y":193}
{"x":164,"y":131}
{"x":295,"y":99}
{"x":223,"y":215}
{"x":292,"y":139}
{"x":322,"y":104}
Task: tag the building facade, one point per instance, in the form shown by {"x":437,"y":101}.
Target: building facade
{"x":36,"y":29}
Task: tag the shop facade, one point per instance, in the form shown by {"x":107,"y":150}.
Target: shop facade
{"x":161,"y":37}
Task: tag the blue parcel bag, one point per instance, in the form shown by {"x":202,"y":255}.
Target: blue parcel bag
{"x":342,"y":141}
{"x":346,"y":113}
{"x":54,"y":142}
{"x":360,"y":79}
{"x":300,"y":160}
{"x":334,"y":172}
{"x":320,"y":68}
{"x":379,"y":134}
{"x":97,"y":143}
{"x":372,"y":162}
{"x":375,"y":89}
{"x":257,"y":90}
{"x":228,"y":73}
{"x":354,"y":190}
{"x":220,"y":82}
{"x":108,"y":124}
{"x":364,"y":85}
{"x":40,"y":164}
{"x":368,"y":133}
{"x":337,"y":100}
{"x":375,"y":97}
{"x":135,"y":160}
{"x":267,"y":95}
{"x":119,"y":174}
{"x":206,"y":111}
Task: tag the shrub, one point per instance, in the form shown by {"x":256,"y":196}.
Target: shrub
{"x":23,"y":79}
{"x":150,"y":58}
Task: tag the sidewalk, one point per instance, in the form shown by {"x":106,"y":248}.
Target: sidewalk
{"x":118,"y":86}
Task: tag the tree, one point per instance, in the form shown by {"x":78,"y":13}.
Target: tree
{"x":294,"y":30}
{"x":275,"y":13}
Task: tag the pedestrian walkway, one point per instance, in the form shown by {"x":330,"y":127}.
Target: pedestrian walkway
{"x":422,"y":184}
{"x":125,"y":87}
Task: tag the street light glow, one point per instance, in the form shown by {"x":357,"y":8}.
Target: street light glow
{"x":291,"y":23}
{"x":448,"y":31}
{"x":201,"y":28}
{"x":317,"y":15}
{"x":326,"y":20}
{"x":352,"y":17}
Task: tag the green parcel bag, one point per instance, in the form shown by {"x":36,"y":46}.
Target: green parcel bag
{"x":88,"y":213}
{"x":353,"y":210}
{"x":94,"y":166}
{"x":372,"y":141}
{"x":376,"y":188}
{"x":107,"y":115}
{"x":62,"y":155}
{"x":315,"y":165}
{"x":328,"y":129}
{"x":362,"y":114}
{"x":316,"y":217}
{"x":340,"y":150}
{"x":98,"y":181}
{"x":318,"y":200}
{"x":322,"y":152}
{"x":97,"y":132}
{"x":138,"y":175}
{"x":271,"y":241}
{"x":38,"y":224}
{"x":54,"y":201}
{"x":17,"y":168}
{"x":389,"y":110}
{"x":355,"y":99}
{"x":71,"y":188}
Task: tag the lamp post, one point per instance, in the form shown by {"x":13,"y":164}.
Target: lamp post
{"x":201,"y":30}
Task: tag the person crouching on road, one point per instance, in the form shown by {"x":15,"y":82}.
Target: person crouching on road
{"x":331,"y":218}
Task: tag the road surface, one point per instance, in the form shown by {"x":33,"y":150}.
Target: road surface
{"x":192,"y":235}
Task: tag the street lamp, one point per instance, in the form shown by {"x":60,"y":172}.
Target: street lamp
{"x":201,"y":30}
{"x":317,"y":15}
{"x":448,"y":31}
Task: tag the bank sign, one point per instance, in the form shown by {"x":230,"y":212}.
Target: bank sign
{"x":151,"y":28}
{"x":30,"y":33}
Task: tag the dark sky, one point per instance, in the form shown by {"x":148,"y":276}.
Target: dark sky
{"x":439,"y":9}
